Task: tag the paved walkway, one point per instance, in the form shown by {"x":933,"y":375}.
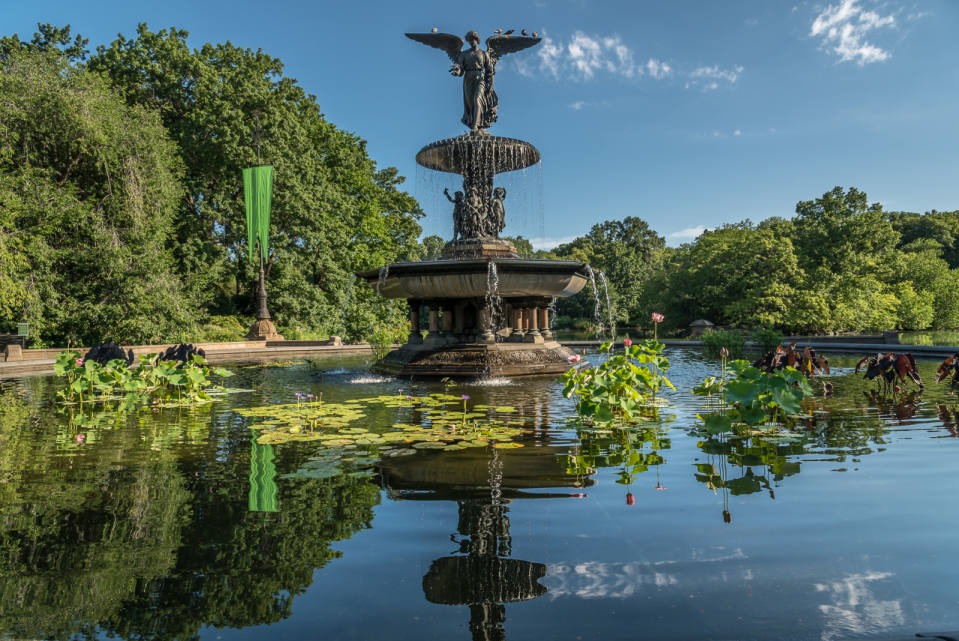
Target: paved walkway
{"x":39,"y":362}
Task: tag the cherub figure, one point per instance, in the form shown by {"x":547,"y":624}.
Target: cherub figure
{"x":459,"y":205}
{"x":497,"y":214}
{"x":477,"y":68}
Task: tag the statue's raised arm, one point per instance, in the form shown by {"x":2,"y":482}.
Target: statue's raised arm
{"x":477,"y":67}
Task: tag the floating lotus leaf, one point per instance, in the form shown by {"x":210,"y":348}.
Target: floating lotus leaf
{"x":505,"y":409}
{"x":506,"y":446}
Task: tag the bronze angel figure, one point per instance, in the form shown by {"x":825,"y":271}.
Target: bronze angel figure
{"x":480,"y":102}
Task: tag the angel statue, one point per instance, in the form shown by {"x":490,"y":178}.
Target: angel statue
{"x":477,"y":68}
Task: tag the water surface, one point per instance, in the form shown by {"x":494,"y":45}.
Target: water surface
{"x":174,"y":525}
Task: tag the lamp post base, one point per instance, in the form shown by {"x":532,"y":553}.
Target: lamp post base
{"x":264,"y":330}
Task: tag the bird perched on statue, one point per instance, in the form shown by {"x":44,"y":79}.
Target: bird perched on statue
{"x":497,"y":31}
{"x":434,"y":29}
{"x":509,"y":32}
{"x":524,"y":32}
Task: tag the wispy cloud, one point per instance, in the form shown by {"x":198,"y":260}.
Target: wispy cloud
{"x":658,"y":69}
{"x":709,"y":78}
{"x":688,"y":234}
{"x":584,"y":57}
{"x":843,"y":29}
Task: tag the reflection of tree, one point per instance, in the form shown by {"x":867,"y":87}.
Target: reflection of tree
{"x":136,"y":540}
{"x":77,"y":534}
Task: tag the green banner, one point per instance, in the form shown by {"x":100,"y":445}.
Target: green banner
{"x":258,"y":196}
{"x":263,"y":488}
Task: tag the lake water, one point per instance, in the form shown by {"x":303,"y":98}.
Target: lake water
{"x":172,"y":524}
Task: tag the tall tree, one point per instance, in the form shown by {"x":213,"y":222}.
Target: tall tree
{"x":88,"y":187}
{"x":334,"y":212}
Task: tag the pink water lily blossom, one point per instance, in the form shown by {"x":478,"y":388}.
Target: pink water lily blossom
{"x":575,"y":358}
{"x":627,"y":342}
{"x":79,"y":362}
{"x":657,"y":317}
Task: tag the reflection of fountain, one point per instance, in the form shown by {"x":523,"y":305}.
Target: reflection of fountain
{"x":483,"y":485}
{"x":474,"y":330}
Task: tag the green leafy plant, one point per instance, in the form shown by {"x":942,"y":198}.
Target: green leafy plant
{"x":622,"y":387}
{"x":160,"y":383}
{"x":752,"y":398}
{"x":767,"y":338}
{"x":715,"y":340}
{"x":383,"y":337}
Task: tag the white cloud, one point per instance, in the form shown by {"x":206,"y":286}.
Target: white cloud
{"x":843,"y":29}
{"x":688,"y":233}
{"x":737,"y":133}
{"x":658,"y":69}
{"x":708,"y":78}
{"x":576,"y":106}
{"x":583,"y":56}
{"x":550,"y":243}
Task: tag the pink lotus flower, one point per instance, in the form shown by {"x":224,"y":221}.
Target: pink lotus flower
{"x":575,"y":358}
{"x":657,"y":317}
{"x":79,"y":362}
{"x":81,"y":438}
{"x":724,"y":352}
{"x":627,"y":342}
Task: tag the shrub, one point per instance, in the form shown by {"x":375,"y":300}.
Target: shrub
{"x":383,"y":337}
{"x":767,"y":339}
{"x":715,"y":340}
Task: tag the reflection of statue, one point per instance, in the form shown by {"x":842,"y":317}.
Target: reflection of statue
{"x":477,"y":67}
{"x":497,"y":215}
{"x":459,"y":214}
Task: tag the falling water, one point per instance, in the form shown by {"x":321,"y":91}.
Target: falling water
{"x":493,"y":300}
{"x":609,"y":306}
{"x":384,"y":272}
{"x":552,"y":312}
{"x":597,"y":306}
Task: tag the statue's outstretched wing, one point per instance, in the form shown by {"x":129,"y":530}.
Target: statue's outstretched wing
{"x":499,"y":46}
{"x":449,"y":43}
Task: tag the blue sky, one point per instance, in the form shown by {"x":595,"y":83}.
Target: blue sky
{"x":687,"y":114}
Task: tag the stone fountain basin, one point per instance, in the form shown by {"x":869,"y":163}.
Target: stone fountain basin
{"x":518,"y":277}
{"x":459,"y":155}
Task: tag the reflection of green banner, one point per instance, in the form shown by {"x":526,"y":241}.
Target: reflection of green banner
{"x":262,"y":474}
{"x":258,"y":195}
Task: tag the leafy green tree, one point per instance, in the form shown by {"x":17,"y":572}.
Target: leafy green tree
{"x":334,"y":211}
{"x":627,"y":251}
{"x":88,"y":188}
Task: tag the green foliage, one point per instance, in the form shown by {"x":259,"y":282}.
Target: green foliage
{"x":767,"y":339}
{"x":383,"y":337}
{"x":165,"y":382}
{"x":627,"y":251}
{"x":219,"y":329}
{"x":753,"y":398}
{"x":715,"y":340}
{"x":88,"y":191}
{"x":437,"y":421}
{"x":620,"y":389}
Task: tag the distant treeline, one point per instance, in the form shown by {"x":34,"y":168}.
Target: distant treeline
{"x":840,"y":264}
{"x":122,"y":216}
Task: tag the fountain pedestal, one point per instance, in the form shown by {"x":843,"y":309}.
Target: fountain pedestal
{"x":485,"y":315}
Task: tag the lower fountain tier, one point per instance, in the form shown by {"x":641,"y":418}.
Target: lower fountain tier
{"x":458,"y":279}
{"x":477,"y":360}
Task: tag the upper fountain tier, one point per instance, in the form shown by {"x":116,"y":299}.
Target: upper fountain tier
{"x":478,"y":153}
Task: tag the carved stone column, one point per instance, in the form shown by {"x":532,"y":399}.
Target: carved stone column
{"x":434,"y":338}
{"x":518,"y":332}
{"x":448,"y":324}
{"x":484,"y":322}
{"x":544,"y":323}
{"x":416,"y":338}
{"x":532,"y":331}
